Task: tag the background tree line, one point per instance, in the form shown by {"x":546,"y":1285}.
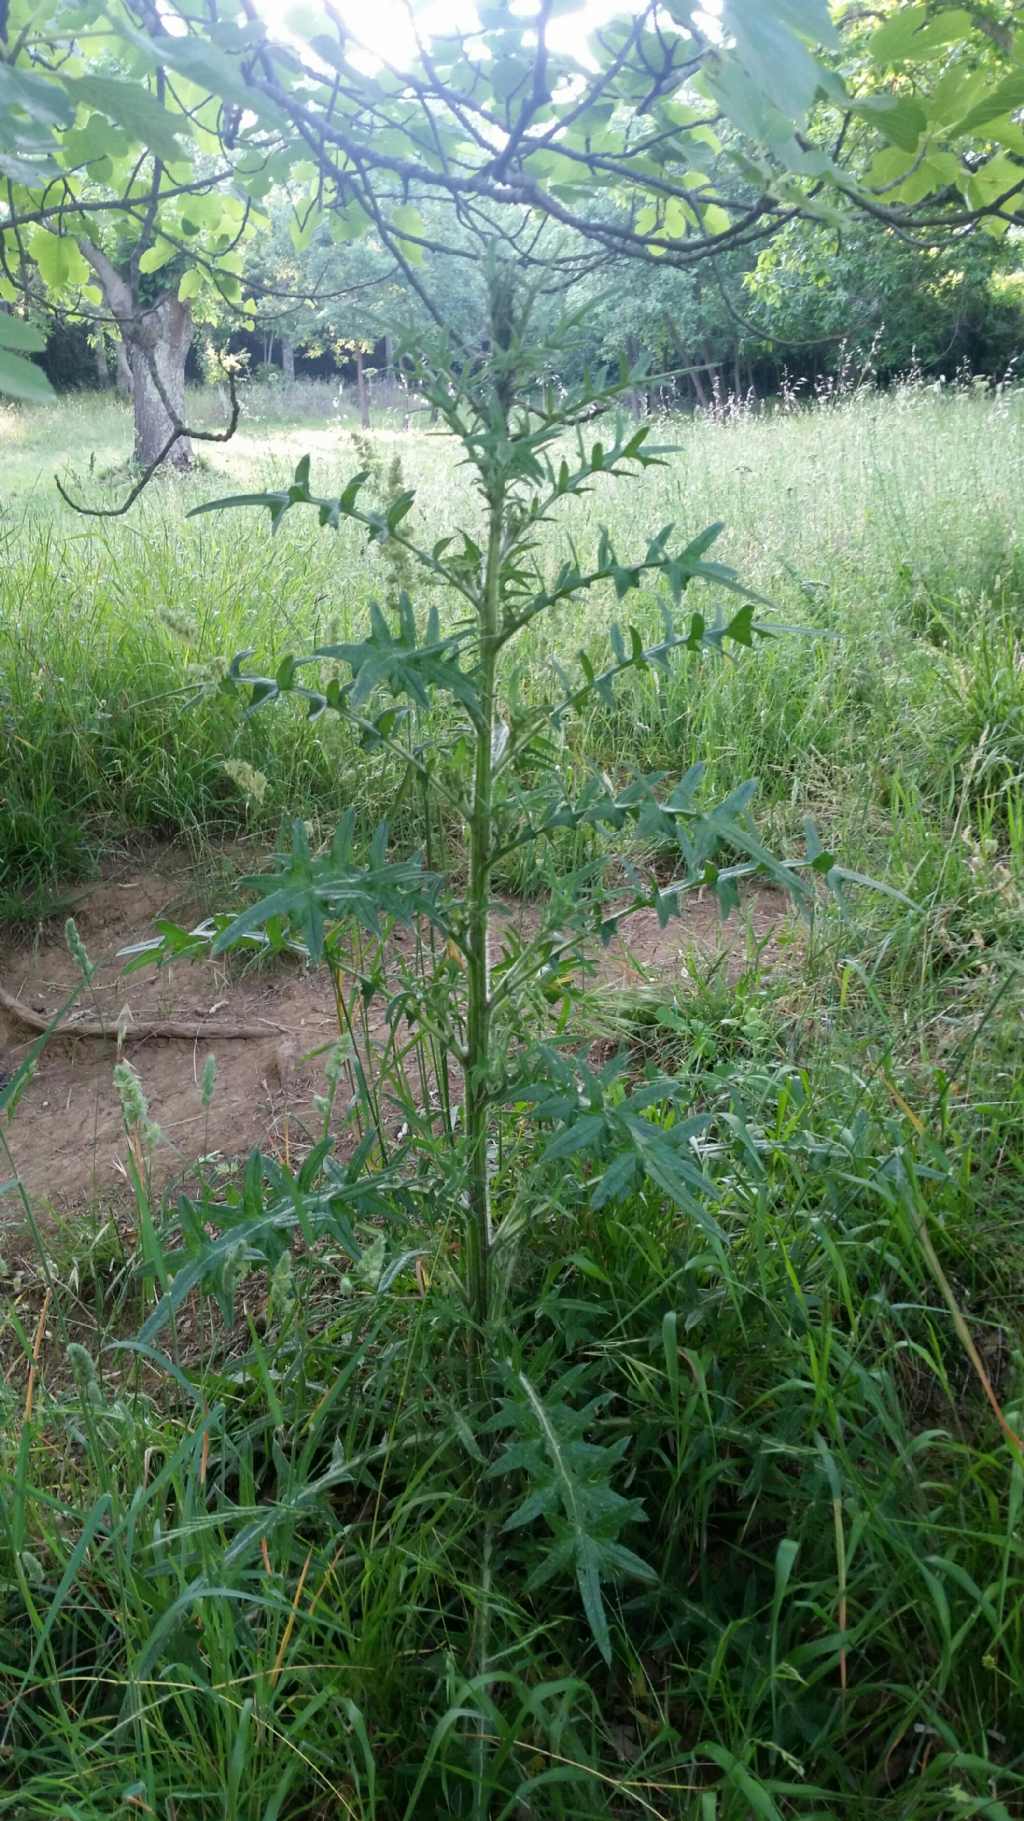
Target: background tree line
{"x":815,"y":304}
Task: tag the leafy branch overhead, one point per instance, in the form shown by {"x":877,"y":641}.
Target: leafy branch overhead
{"x":162,"y":133}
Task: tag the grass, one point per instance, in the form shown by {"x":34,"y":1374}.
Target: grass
{"x":254,"y":1571}
{"x":880,"y":524}
{"x":245,"y":1575}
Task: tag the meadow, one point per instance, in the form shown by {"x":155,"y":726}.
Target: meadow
{"x":244,"y":1565}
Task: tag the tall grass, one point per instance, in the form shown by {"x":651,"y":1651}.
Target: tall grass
{"x":887,"y":528}
{"x":246,"y":1568}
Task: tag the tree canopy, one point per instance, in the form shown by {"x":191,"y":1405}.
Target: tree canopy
{"x":139,"y":145}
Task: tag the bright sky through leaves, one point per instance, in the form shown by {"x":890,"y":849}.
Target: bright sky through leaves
{"x":386,"y":27}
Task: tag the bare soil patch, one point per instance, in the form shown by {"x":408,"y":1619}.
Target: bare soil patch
{"x":67,"y":1137}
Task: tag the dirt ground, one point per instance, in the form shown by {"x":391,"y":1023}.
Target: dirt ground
{"x":67,"y":1138}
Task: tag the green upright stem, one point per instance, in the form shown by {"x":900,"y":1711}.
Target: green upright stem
{"x":481,"y":844}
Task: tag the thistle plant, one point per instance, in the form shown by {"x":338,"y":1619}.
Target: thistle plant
{"x":443,"y":694}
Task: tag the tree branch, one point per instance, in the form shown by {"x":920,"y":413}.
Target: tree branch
{"x":180,"y":430}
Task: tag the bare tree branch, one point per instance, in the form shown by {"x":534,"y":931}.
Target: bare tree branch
{"x":180,"y":430}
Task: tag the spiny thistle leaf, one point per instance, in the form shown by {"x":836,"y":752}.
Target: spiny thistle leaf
{"x":311,"y":891}
{"x":570,"y":1488}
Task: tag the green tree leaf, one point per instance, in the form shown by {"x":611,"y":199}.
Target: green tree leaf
{"x":1005,"y":98}
{"x":914,"y":34}
{"x":15,"y":332}
{"x":131,"y":106}
{"x":160,"y":254}
{"x":37,"y":97}
{"x":60,"y":262}
{"x":20,"y":379}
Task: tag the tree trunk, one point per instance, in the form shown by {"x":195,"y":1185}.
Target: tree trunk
{"x":157,"y":355}
{"x":124,"y":372}
{"x":100,"y":355}
{"x":288,"y":360}
{"x":634,"y":398}
{"x":712,"y":373}
{"x":157,"y":338}
{"x":389,"y":357}
{"x":698,"y":386}
{"x":362,"y":391}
